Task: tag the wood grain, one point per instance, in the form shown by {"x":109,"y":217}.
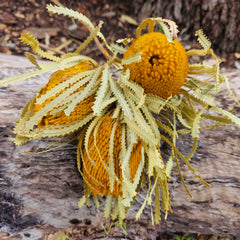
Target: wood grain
{"x":45,"y":188}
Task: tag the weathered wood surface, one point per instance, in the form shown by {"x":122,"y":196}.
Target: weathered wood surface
{"x":45,"y":189}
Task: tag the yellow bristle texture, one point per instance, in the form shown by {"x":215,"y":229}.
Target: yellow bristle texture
{"x":98,"y":172}
{"x":163,"y":66}
{"x":81,"y":110}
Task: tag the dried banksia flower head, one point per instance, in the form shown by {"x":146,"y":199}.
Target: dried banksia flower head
{"x":112,"y":114}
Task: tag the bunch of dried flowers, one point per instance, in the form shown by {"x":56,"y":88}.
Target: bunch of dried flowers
{"x":118,"y":136}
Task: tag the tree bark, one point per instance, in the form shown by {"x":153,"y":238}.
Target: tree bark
{"x":43,"y":190}
{"x":220,"y":20}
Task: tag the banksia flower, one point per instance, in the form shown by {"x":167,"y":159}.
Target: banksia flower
{"x":163,"y":66}
{"x":97,"y":177}
{"x":111,"y":114}
{"x":81,"y":110}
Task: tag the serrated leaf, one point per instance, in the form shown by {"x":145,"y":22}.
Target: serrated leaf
{"x":106,"y":103}
{"x":69,"y":60}
{"x":155,"y":102}
{"x":125,"y":163}
{"x":121,"y":99}
{"x":117,"y":48}
{"x":154,"y":160}
{"x":64,"y":85}
{"x":95,"y":198}
{"x":127,"y":185}
{"x":93,"y":34}
{"x":136,"y":88}
{"x":90,"y":128}
{"x":72,"y":14}
{"x":123,"y":142}
{"x":194,"y":148}
{"x":205,"y":87}
{"x":101,"y":36}
{"x":27,"y":111}
{"x":196,"y":125}
{"x":34,"y":44}
{"x":108,"y":206}
{"x":46,"y":109}
{"x":166,"y":31}
{"x":70,"y":94}
{"x":102,"y":90}
{"x":144,"y":136}
{"x":111,"y":171}
{"x":234,"y":119}
{"x":157,"y":217}
{"x":219,"y":119}
{"x":32,"y":58}
{"x":125,"y":41}
{"x":23,"y":76}
{"x":139,"y":171}
{"x":151,"y":120}
{"x":121,"y":209}
{"x":139,"y":212}
{"x":204,"y":98}
{"x":229,"y":89}
{"x":55,"y":131}
{"x":82,"y":202}
{"x":139,"y":118}
{"x":134,"y":58}
{"x":78,"y":97}
{"x":199,"y":68}
{"x":203,"y":40}
{"x":162,"y":178}
{"x":165,"y":128}
{"x":19,"y":140}
{"x":183,"y":122}
{"x":183,"y":131}
{"x":115,"y":210}
{"x":169,"y":166}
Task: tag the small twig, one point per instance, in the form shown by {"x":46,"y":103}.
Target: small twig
{"x":63,"y":45}
{"x":102,"y":49}
{"x":50,"y":48}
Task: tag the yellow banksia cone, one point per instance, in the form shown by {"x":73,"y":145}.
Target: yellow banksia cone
{"x":97,"y":177}
{"x":81,"y":110}
{"x":163,"y":66}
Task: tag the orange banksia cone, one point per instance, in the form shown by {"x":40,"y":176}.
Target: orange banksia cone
{"x":97,"y":177}
{"x":81,"y":110}
{"x":163,"y":66}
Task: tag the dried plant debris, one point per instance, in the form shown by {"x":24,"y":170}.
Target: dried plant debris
{"x":110,"y":107}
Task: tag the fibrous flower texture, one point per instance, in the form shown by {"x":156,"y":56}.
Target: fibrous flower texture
{"x":97,"y":177}
{"x":163,"y":67}
{"x":82,"y":109}
{"x":109,"y":109}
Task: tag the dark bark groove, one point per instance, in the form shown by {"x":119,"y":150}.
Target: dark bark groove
{"x":220,"y":20}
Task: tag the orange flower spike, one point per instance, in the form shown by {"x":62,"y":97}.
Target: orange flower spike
{"x":97,"y":178}
{"x":81,"y":110}
{"x":163,"y":66}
